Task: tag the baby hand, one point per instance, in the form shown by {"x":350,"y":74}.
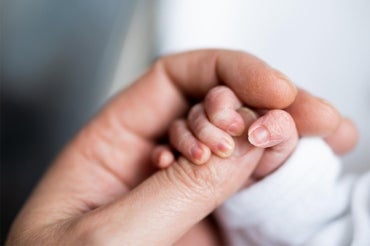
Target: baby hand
{"x":212,"y":124}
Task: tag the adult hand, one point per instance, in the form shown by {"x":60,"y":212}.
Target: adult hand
{"x":102,"y":189}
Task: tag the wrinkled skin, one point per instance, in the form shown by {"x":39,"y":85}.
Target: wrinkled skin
{"x":101,"y":190}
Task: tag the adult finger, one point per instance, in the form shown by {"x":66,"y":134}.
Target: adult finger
{"x":166,"y":205}
{"x":314,"y":116}
{"x":144,"y":111}
{"x":177,"y":78}
{"x":112,"y":154}
{"x":344,"y":138}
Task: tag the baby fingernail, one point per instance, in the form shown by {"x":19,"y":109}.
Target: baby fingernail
{"x":225,"y":148}
{"x":259,"y":136}
{"x":235,"y":129}
{"x":196,"y":152}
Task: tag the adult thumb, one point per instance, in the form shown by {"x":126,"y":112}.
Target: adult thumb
{"x":166,"y":205}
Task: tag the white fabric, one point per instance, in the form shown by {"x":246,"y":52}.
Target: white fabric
{"x":305,"y":202}
{"x":323,"y":46}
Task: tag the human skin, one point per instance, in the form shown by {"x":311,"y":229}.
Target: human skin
{"x":203,"y":132}
{"x":101,"y":189}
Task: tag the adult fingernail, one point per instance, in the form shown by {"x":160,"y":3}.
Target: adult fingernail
{"x":259,"y":136}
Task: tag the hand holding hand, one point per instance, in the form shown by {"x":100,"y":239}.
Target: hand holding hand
{"x":102,"y":189}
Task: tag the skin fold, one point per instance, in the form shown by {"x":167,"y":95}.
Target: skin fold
{"x":102,"y":188}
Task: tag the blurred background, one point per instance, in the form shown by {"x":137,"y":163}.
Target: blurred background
{"x":58,"y":61}
{"x":61,"y":60}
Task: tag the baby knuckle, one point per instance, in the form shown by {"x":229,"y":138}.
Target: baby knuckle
{"x":215,"y":94}
{"x":195,"y":112}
